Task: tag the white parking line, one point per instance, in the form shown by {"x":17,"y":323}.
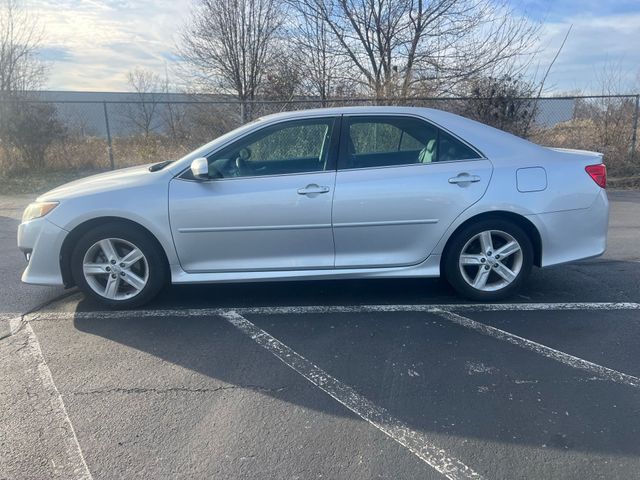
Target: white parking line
{"x":377,"y":416}
{"x":9,"y":323}
{"x":473,"y":307}
{"x":567,"y":359}
{"x":414,"y":441}
{"x":76,"y":466}
{"x":470,"y":307}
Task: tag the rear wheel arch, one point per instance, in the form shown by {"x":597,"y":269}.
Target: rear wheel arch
{"x":74,"y":235}
{"x":519,"y":220}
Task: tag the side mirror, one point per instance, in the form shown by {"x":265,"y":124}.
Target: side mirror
{"x":200,"y":168}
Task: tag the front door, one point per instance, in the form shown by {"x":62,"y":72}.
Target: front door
{"x":401,"y":182}
{"x":268,"y":207}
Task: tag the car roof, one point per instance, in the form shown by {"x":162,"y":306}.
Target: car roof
{"x":347,"y":110}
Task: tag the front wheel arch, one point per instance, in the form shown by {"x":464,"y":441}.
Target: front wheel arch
{"x":74,"y":235}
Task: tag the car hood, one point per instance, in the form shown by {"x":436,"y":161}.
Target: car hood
{"x":115,"y":180}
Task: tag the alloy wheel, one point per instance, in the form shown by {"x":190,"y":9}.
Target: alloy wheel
{"x":490,"y":260}
{"x":115,"y":269}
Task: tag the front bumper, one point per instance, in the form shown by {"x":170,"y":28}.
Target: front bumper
{"x":41,"y":241}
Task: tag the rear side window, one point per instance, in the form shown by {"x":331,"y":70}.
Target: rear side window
{"x":381,"y":137}
{"x":381,"y":141}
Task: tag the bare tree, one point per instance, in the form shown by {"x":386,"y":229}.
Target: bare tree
{"x":20,"y":36}
{"x":26,"y":129}
{"x":142,"y":114}
{"x":283,"y":79}
{"x":317,"y":53}
{"x":396,"y":46}
{"x":613,"y":115}
{"x":231,"y":44}
{"x":173,"y":115}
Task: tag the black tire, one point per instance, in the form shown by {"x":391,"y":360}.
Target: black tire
{"x":453,"y":251}
{"x":155,"y":261}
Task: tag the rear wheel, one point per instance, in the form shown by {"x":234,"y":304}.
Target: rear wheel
{"x":489,"y":260}
{"x":118,"y":265}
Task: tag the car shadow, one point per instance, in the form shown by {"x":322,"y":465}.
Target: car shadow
{"x":589,"y":281}
{"x":434,"y":376}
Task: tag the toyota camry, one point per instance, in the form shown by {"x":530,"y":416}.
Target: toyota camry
{"x":361,"y":192}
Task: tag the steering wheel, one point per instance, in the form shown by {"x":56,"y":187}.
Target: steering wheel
{"x":240,"y":162}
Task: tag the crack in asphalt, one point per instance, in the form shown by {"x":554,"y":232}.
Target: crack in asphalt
{"x":143,"y":390}
{"x":23,"y":316}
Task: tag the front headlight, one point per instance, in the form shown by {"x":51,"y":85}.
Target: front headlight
{"x":37,"y":210}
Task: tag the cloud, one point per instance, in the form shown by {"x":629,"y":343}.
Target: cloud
{"x":595,"y":44}
{"x":92,"y":44}
{"x":98,"y":42}
{"x":560,"y":10}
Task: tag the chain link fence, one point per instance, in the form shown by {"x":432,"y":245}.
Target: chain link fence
{"x":52,"y":133}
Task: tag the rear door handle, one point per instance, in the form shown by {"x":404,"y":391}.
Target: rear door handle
{"x":465,"y":178}
{"x":313,"y":189}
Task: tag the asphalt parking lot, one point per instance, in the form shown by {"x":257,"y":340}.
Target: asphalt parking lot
{"x":335,"y":379}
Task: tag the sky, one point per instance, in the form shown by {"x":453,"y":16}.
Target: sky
{"x":90,"y":45}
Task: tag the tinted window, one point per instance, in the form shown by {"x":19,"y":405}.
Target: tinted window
{"x":290,"y":143}
{"x":292,"y":147}
{"x":452,"y":149}
{"x":387,"y":141}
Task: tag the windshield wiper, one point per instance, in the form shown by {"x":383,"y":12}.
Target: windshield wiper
{"x":159,"y":166}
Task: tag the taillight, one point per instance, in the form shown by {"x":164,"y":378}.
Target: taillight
{"x":598,"y":173}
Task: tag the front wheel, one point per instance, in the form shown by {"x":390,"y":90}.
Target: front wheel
{"x":118,"y":265}
{"x":489,"y":260}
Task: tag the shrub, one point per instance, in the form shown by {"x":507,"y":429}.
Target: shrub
{"x":30,"y":128}
{"x":501,"y":102}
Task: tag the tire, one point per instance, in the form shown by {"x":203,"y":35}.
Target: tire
{"x":494,"y":272}
{"x":119,"y":266}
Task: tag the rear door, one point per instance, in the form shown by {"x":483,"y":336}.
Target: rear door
{"x":401,"y":182}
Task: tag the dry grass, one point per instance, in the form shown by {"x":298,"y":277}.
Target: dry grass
{"x":80,"y":157}
{"x":76,"y":157}
{"x":26,"y":182}
{"x":92,"y":152}
{"x":585,"y":134}
{"x":127,"y":151}
{"x":624,"y":183}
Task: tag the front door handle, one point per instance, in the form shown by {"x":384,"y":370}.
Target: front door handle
{"x":313,"y":189}
{"x":464,"y":178}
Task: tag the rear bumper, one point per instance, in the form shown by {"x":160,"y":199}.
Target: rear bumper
{"x":574,"y":234}
{"x":41,"y":241}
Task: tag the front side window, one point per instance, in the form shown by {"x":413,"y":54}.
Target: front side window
{"x":395,"y":140}
{"x":292,"y":147}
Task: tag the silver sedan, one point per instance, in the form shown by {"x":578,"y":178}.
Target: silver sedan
{"x":370,"y":192}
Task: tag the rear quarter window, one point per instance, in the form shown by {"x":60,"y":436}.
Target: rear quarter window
{"x":451,"y":149}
